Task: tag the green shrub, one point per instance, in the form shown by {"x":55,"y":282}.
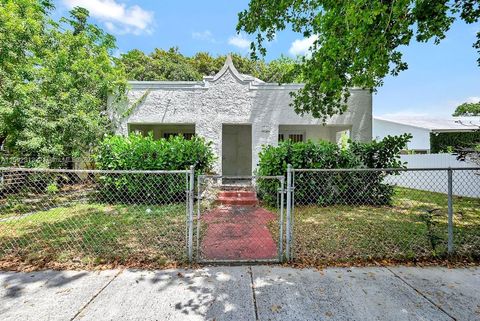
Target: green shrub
{"x":137,"y":152}
{"x":443,"y":142}
{"x":333,"y":187}
{"x":52,"y":188}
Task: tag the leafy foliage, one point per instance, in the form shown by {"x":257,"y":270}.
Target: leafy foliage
{"x":56,"y":77}
{"x":356,"y":42}
{"x":468,"y":109}
{"x":273,"y":161}
{"x":172,"y":65}
{"x":137,"y":152}
{"x":444,"y":142}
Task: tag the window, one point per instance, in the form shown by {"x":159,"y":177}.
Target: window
{"x":294,"y":137}
{"x":185,"y":135}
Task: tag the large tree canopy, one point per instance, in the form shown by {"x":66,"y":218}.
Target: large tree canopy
{"x":356,"y":42}
{"x":172,"y":65}
{"x":55,"y":78}
{"x":468,"y":109}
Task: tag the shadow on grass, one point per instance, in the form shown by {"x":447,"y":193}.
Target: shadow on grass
{"x":85,"y":235}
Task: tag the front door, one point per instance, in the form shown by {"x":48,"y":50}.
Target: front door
{"x":237,"y":150}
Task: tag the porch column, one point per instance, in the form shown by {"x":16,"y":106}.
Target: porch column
{"x":262,"y":134}
{"x":211,"y":130}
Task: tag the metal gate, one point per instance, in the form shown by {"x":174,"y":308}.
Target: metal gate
{"x":240,"y":219}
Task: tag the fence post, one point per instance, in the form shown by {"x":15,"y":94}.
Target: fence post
{"x":450,"y":211}
{"x":289,"y":212}
{"x":282,"y":201}
{"x":190,"y":212}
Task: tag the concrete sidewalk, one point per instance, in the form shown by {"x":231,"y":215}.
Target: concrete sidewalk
{"x":243,"y":293}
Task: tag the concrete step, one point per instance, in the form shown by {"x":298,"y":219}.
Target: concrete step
{"x":242,"y":193}
{"x":237,"y":197}
{"x":230,"y":187}
{"x":250,"y":201}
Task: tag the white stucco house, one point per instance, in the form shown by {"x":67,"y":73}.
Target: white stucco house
{"x":237,"y":113}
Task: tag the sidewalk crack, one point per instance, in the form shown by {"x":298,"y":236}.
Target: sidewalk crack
{"x":250,"y":271}
{"x":421,"y":293}
{"x":95,"y":296}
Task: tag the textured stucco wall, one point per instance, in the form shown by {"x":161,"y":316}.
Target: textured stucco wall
{"x":231,"y":98}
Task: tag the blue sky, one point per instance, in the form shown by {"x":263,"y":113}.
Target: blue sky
{"x":439,"y":77}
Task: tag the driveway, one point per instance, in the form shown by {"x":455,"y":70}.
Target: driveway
{"x":243,"y":293}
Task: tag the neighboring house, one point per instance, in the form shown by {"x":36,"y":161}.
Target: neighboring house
{"x":421,"y":128}
{"x":237,"y":113}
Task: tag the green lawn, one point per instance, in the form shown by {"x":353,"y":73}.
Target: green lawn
{"x":88,"y":233}
{"x":83,"y":235}
{"x":403,"y":231}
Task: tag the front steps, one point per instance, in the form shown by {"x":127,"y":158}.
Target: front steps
{"x":237,"y":197}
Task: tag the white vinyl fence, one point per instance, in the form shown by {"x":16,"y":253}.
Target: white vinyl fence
{"x":434,"y":161}
{"x":465,"y":183}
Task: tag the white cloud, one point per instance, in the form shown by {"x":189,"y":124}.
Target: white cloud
{"x":239,"y":41}
{"x":302,"y":46}
{"x":203,"y":36}
{"x":118,"y":18}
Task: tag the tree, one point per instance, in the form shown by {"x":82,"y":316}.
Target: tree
{"x":283,"y":70}
{"x":137,"y":65}
{"x":66,"y":74}
{"x":172,"y":65}
{"x":468,"y":109}
{"x":356,"y":43}
{"x":159,"y":65}
{"x":23,"y":24}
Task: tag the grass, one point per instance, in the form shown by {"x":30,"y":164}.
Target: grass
{"x":413,"y":227}
{"x":90,"y":234}
{"x":74,"y":231}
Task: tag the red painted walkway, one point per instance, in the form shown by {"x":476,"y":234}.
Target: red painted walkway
{"x":238,"y":233}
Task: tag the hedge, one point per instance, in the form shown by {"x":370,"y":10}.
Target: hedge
{"x":137,"y":152}
{"x":446,"y":142}
{"x":333,"y":188}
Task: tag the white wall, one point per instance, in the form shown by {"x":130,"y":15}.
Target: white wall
{"x":421,"y":136}
{"x":433,"y":161}
{"x":464,"y":182}
{"x":228,"y":98}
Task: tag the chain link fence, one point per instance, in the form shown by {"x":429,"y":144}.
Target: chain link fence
{"x":80,"y":218}
{"x":348,"y":215}
{"x":60,"y":217}
{"x":7,"y":160}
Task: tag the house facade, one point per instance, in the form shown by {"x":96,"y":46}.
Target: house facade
{"x":237,"y":113}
